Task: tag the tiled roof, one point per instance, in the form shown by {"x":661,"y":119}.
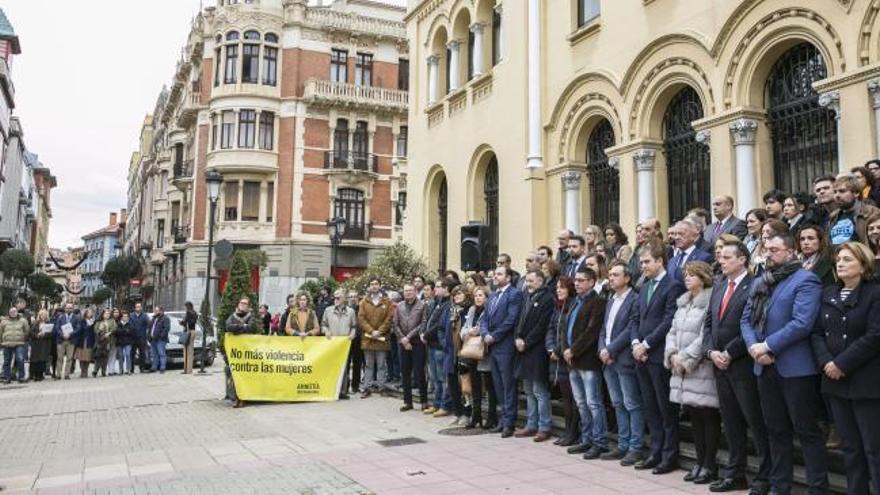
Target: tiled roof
{"x":7,"y":33}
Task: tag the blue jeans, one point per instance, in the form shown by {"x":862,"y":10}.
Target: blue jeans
{"x":157,"y":354}
{"x":537,"y":405}
{"x":435,"y":363}
{"x":586,"y":388}
{"x":627,"y":401}
{"x":125,"y":358}
{"x":18,"y":352}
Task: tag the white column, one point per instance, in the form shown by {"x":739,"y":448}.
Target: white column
{"x":454,"y":73}
{"x":743,"y":131}
{"x":644,"y":163}
{"x":831,"y":101}
{"x":874,"y":90}
{"x":535,"y":159}
{"x":571,"y":182}
{"x":499,"y":9}
{"x":477,"y":55}
{"x":704,"y":137}
{"x":433,"y":76}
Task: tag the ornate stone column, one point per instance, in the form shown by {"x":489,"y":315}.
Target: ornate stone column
{"x":477,"y":55}
{"x":742,"y":132}
{"x":831,"y":101}
{"x":571,"y":182}
{"x":535,"y":159}
{"x":433,"y":78}
{"x":454,"y":72}
{"x":874,"y":90}
{"x":644,"y":164}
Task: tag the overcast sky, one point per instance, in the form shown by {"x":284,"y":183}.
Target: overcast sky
{"x":88,"y":73}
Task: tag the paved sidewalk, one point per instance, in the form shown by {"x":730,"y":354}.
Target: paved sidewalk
{"x":171,"y":434}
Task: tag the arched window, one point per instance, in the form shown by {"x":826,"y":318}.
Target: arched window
{"x":490,"y":194}
{"x":271,"y":38}
{"x":252,"y":35}
{"x":232,"y":36}
{"x":217,"y":59}
{"x":231,"y":70}
{"x":443,"y":214}
{"x":270,"y":60}
{"x":604,"y":179}
{"x":350,"y":205}
{"x":804,"y":134}
{"x":687,"y":161}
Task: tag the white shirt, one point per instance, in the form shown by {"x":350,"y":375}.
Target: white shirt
{"x":658,"y":279}
{"x":599,"y":286}
{"x":687,"y":254}
{"x":738,"y":279}
{"x":616,"y":303}
{"x":795,"y":220}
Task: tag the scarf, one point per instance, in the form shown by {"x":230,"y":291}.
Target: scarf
{"x":761,"y":296}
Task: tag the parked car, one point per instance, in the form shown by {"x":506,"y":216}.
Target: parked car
{"x":174,"y":351}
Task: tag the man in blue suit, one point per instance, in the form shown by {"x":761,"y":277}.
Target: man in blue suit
{"x":657,"y":306}
{"x":776,"y":325}
{"x":497,"y":329}
{"x":621,"y":320}
{"x":686,"y":249}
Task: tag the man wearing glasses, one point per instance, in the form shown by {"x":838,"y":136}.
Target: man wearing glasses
{"x":339,"y":321}
{"x":240,"y":322}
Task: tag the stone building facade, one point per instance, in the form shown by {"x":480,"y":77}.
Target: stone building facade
{"x":303,"y":110}
{"x":566,"y":113}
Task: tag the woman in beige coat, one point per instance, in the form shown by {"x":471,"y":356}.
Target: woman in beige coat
{"x":693,"y":381}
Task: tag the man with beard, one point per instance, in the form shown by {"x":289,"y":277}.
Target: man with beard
{"x":850,"y":221}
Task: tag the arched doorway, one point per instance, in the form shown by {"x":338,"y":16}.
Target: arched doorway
{"x":604,"y":180}
{"x":687,"y":161}
{"x":804,"y":135}
{"x":490,"y":194}
{"x":443,"y":217}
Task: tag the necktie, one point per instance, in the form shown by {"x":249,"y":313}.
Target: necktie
{"x":717,"y":228}
{"x":495,"y":301}
{"x":726,"y":299}
{"x":651,"y":286}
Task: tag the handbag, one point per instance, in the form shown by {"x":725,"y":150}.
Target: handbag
{"x":184,"y":338}
{"x":472,"y":348}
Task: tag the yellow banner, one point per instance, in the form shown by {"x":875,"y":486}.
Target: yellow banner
{"x":287,"y":369}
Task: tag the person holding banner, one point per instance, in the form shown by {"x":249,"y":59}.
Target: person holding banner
{"x":302,"y":322}
{"x":374,"y":318}
{"x":408,"y":317}
{"x":339,"y":320}
{"x":240,"y":322}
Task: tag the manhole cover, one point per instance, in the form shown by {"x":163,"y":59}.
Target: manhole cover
{"x":462,"y":432}
{"x":399,"y":442}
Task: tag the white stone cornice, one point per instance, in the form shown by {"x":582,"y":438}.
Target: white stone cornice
{"x":831,"y":101}
{"x":571,"y":180}
{"x":743,"y":131}
{"x":644,"y":159}
{"x":704,"y":137}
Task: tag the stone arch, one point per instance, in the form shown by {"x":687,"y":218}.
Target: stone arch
{"x":476,"y":180}
{"x":431,"y":222}
{"x":461,"y":22}
{"x":869,"y":35}
{"x":665,"y":42}
{"x":460,"y":6}
{"x":440,"y":22}
{"x":764,"y":40}
{"x":601,"y":77}
{"x":585,"y":113}
{"x":661,"y":83}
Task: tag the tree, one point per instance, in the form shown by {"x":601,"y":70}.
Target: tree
{"x":397,"y":265}
{"x":16,"y":265}
{"x":118,"y":273}
{"x":237,"y":286}
{"x":313,"y":287}
{"x":101,"y":295}
{"x":45,"y":288}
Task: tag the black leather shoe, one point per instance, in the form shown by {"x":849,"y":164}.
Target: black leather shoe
{"x":558,"y":440}
{"x":644,"y":464}
{"x":507,"y":433}
{"x":491,"y":425}
{"x":578,"y":449}
{"x":693,"y":473}
{"x":706,"y":476}
{"x":474,"y":424}
{"x":729,"y":485}
{"x":568,"y":442}
{"x":594,"y":452}
{"x":406,"y":407}
{"x":664,"y":469}
{"x":496,"y":429}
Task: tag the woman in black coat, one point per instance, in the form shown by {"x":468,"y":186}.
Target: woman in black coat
{"x":42,"y":343}
{"x":532,"y":361}
{"x":565,"y":296}
{"x":814,"y":253}
{"x":846,"y":342}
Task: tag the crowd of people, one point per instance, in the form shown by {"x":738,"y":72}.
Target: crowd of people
{"x":758,"y":329}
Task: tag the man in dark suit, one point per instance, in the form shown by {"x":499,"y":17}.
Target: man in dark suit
{"x":159,"y":339}
{"x":620,"y":321}
{"x":726,"y":222}
{"x":657,"y":306}
{"x":562,"y":255}
{"x":577,"y":247}
{"x":497,"y":328}
{"x":736,"y":384}
{"x":776,"y":326}
{"x":686,"y":249}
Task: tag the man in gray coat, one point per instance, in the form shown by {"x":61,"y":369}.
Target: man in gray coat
{"x":408,"y":317}
{"x":340,"y":321}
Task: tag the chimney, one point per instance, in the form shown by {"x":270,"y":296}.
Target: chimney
{"x":123,"y":215}
{"x":112,"y":218}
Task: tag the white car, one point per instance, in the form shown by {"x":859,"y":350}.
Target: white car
{"x":174,"y":351}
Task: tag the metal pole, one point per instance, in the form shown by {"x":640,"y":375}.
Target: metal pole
{"x":208,"y":285}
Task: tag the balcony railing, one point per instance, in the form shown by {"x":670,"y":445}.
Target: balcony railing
{"x":339,"y":160}
{"x":334,"y":20}
{"x":181,"y":234}
{"x":342,"y":94}
{"x":358,"y":233}
{"x":183,"y":170}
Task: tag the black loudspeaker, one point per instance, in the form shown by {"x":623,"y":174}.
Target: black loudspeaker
{"x":475,"y":247}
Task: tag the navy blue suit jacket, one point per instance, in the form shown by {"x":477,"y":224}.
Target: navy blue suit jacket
{"x":696,"y":255}
{"x":655,"y":319}
{"x":501,"y":318}
{"x":625,"y":323}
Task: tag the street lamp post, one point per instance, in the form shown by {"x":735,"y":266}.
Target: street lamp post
{"x":213,"y":179}
{"x":336,"y":229}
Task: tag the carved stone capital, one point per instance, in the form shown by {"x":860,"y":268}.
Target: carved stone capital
{"x":614,"y":162}
{"x":644,"y":160}
{"x":704,"y":137}
{"x":831,"y":101}
{"x":453,"y":45}
{"x":874,"y":90}
{"x":571,"y":180}
{"x":743,"y":131}
{"x":433,"y":59}
{"x":477,"y":27}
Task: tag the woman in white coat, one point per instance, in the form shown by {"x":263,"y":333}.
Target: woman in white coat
{"x":693,"y":382}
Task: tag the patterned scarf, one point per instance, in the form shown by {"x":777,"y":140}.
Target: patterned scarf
{"x":761,"y":296}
